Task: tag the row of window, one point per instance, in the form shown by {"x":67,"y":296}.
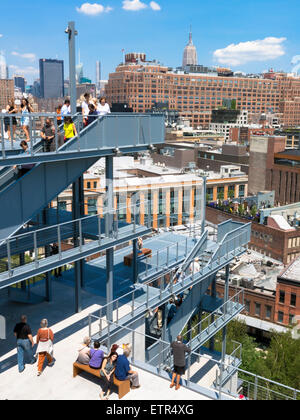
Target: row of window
{"x":282,"y":298}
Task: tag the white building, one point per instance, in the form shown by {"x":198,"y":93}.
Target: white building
{"x":224,"y":128}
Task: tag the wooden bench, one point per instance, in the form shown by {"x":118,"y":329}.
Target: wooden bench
{"x":123,"y":386}
{"x":129,"y":258}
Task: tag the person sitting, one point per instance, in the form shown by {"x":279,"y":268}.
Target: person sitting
{"x":107,"y":373}
{"x":84,"y":353}
{"x":123,"y":370}
{"x":96,"y":356}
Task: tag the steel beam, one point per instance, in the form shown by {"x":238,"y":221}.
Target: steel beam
{"x":109,"y":165}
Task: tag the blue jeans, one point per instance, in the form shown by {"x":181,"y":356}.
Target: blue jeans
{"x":25,"y":354}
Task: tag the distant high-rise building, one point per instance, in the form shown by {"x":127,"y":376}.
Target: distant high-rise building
{"x":98,"y":74}
{"x":51,"y":78}
{"x":79,"y":72}
{"x":190,"y":57}
{"x":6,"y":92}
{"x":20,"y":83}
{"x":3,"y":67}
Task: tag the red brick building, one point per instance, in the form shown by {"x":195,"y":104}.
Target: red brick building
{"x":281,"y":245}
{"x":141,"y":84}
{"x":288,"y":294}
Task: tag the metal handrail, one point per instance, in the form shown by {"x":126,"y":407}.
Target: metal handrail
{"x":222,"y":365}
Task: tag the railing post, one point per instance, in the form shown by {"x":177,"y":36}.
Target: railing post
{"x":35,"y":250}
{"x":30,"y":135}
{"x":255,"y":388}
{"x":132,"y":303}
{"x":90,"y":326}
{"x":80,"y":235}
{"x":160,"y":356}
{"x":56,"y":135}
{"x":117,"y":312}
{"x":9,"y":257}
{"x":189,"y":370}
{"x":133,"y":346}
{"x":99,"y":229}
{"x":3,"y":139}
{"x":59,"y":241}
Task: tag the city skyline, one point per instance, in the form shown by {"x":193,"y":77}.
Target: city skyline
{"x":249,"y":38}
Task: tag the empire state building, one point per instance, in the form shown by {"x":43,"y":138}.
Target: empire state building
{"x":190,"y":57}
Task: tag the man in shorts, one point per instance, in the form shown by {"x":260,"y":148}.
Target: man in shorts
{"x":179,"y":350}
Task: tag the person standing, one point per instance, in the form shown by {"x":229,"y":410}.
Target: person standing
{"x":26,"y":167}
{"x":55,"y":251}
{"x":179,"y":350}
{"x":44,"y":341}
{"x":48,"y":136}
{"x":26,"y":109}
{"x":85,"y":108}
{"x":93,"y":115}
{"x":11,"y":109}
{"x":69,"y":129}
{"x":124,"y":371}
{"x":66,"y":109}
{"x":25,"y":343}
{"x":103,"y":107}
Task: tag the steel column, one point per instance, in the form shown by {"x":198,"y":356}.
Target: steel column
{"x":77,"y":213}
{"x":214,"y":295}
{"x":72,"y":65}
{"x":135,"y":262}
{"x":109,"y":165}
{"x":48,"y":282}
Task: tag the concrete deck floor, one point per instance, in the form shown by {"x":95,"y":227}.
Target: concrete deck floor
{"x":57,"y":383}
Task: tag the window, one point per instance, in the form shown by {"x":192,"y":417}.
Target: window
{"x":281,"y":296}
{"x":291,"y":319}
{"x":293,"y":299}
{"x":268,"y":312}
{"x":95,"y":184}
{"x":62,"y":205}
{"x":88,"y":185}
{"x":280,"y":317}
{"x":247,"y":306}
{"x":257,"y":309}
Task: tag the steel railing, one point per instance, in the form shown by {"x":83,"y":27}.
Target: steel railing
{"x":253,"y":387}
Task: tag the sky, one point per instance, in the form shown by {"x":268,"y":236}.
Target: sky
{"x":246,"y":35}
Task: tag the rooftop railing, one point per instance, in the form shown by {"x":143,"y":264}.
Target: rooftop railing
{"x":112,"y":131}
{"x":231,"y":380}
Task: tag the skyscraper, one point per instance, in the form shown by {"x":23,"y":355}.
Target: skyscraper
{"x":52,"y":78}
{"x":98,"y":75}
{"x":20,"y":83}
{"x":3,"y":67}
{"x":190,"y":53}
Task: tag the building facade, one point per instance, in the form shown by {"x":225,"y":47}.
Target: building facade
{"x":288,"y":295}
{"x":195,"y":95}
{"x":6,"y":92}
{"x":51,"y":78}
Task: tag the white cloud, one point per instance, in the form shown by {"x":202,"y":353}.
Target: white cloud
{"x":1,"y":35}
{"x":93,"y":9}
{"x":260,"y":50}
{"x":134,"y":5}
{"x":26,"y":56}
{"x":24,"y":71}
{"x":155,"y":6}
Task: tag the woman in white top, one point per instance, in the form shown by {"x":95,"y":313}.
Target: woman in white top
{"x":103,"y":108}
{"x":85,"y":108}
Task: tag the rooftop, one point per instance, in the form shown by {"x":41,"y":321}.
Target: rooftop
{"x":292,"y":272}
